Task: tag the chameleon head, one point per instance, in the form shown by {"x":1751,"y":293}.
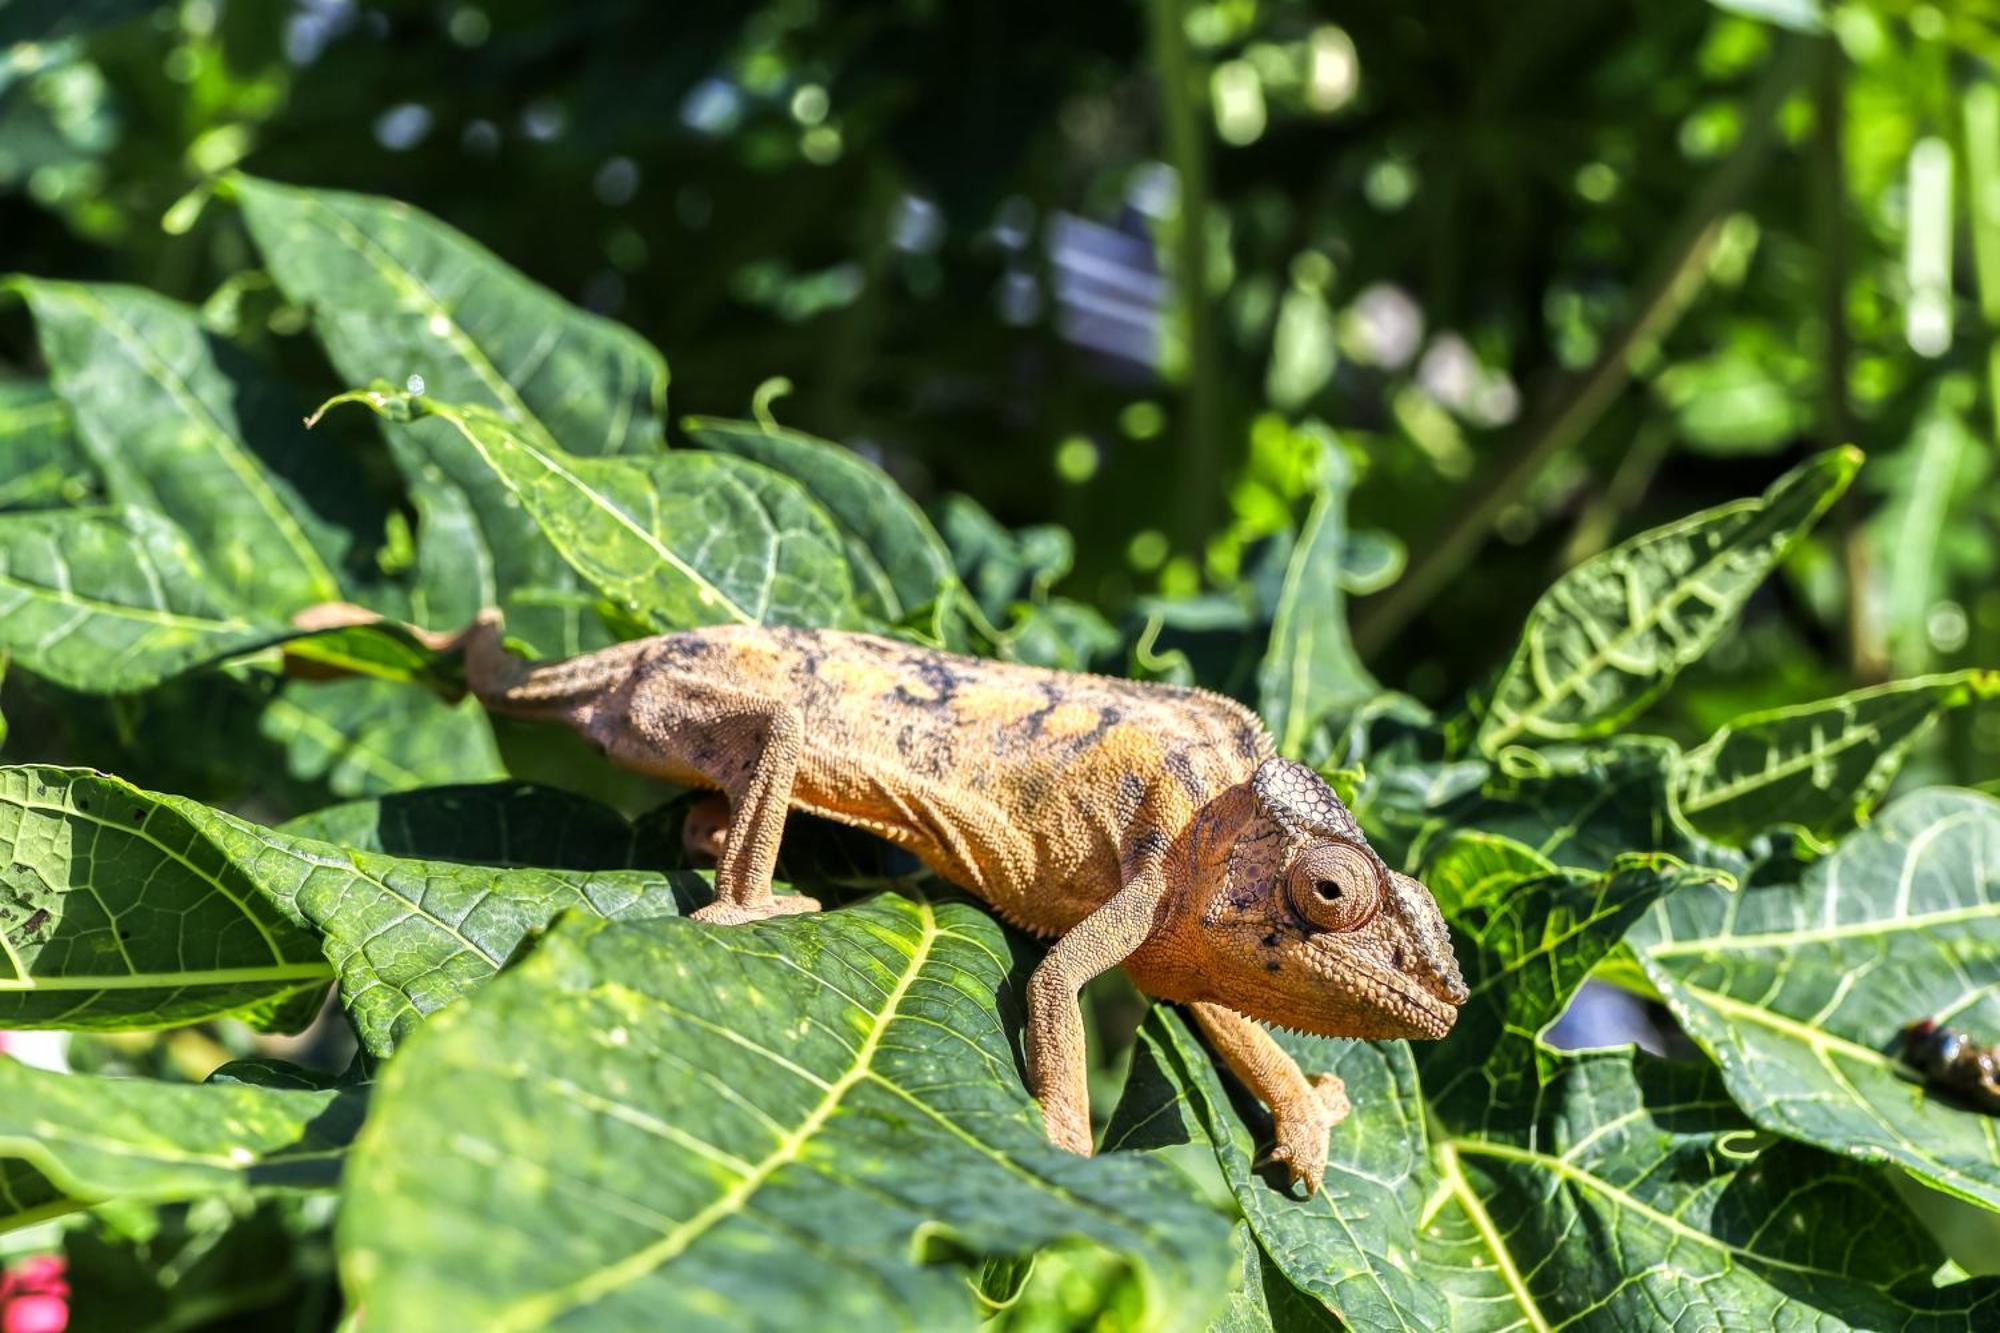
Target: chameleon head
{"x":1303,"y":924}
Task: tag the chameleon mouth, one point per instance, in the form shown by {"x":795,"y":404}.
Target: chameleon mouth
{"x":1427,"y":1015}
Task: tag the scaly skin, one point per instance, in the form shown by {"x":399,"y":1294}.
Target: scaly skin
{"x":1139,"y":824}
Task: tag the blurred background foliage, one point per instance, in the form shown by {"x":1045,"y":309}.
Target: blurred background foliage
{"x":1552,"y":273}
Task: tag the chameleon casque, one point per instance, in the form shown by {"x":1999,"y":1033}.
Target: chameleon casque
{"x":1146,"y":825}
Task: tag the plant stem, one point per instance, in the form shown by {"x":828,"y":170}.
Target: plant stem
{"x":1197,"y":476}
{"x":1676,"y":274}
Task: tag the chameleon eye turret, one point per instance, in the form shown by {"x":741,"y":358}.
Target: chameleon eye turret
{"x":1336,"y":886}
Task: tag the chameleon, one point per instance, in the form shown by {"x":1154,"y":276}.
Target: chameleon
{"x":1149,"y":825}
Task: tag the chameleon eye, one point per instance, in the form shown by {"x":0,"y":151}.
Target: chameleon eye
{"x":1336,"y":886}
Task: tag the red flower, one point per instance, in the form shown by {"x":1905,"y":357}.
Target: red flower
{"x":34,"y":1296}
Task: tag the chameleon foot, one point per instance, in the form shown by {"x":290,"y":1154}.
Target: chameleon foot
{"x":1302,"y":1129}
{"x":720,"y":913}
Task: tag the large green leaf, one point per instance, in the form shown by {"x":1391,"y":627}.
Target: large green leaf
{"x":178,"y":420}
{"x":1798,"y":990}
{"x":88,"y":1138}
{"x":405,"y":936}
{"x":112,"y":600}
{"x":1493,"y":1183}
{"x":777,"y":1126}
{"x":1611,"y":634}
{"x":409,"y":936}
{"x":40,"y":464}
{"x":899,"y":562}
{"x":116,"y":912}
{"x":1310,"y":668}
{"x":394,"y":293}
{"x":1819,"y":765}
{"x":676,"y":540}
{"x":365,"y":737}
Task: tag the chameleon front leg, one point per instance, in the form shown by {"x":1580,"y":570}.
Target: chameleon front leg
{"x":1304,"y":1110}
{"x":1057,"y":1071}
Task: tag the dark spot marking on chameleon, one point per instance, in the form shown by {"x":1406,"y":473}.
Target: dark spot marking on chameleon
{"x":1271,"y":966}
{"x":1396,"y":958}
{"x":1131,"y":791}
{"x":1179,"y":764}
{"x":1148,"y":846}
{"x":1246,"y":741}
{"x":1271,"y":940}
{"x":1052,"y":699}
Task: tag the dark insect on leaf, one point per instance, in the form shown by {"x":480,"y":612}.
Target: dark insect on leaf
{"x":1951,"y":1061}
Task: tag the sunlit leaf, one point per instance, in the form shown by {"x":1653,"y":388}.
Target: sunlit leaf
{"x":395,"y":293}
{"x":677,"y":540}
{"x":1310,"y":668}
{"x":180,"y":421}
{"x":112,"y":600}
{"x":1461,"y":1182}
{"x":115,"y":912}
{"x":1799,"y":990}
{"x":665,"y":1107}
{"x":88,"y":1138}
{"x":900,"y":563}
{"x":1820,"y":765}
{"x":1611,"y":634}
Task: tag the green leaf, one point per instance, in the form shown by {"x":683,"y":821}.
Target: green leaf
{"x":179,"y":420}
{"x":88,"y":1138}
{"x":113,"y":914}
{"x":97,"y":860}
{"x":394,"y":293}
{"x":1458,"y":1189}
{"x":1611,"y":634}
{"x":1579,"y":806}
{"x":409,"y":936}
{"x":41,"y":466}
{"x":768,"y":1126}
{"x":900,"y":563}
{"x":112,"y":600}
{"x":1820,"y":765}
{"x":1531,"y":944}
{"x":365,"y":737}
{"x":1798,"y":991}
{"x":499,"y":824}
{"x":678,"y":540}
{"x":1264,"y":1302}
{"x":1311,"y":668}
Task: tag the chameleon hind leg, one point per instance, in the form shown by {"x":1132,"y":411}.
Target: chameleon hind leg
{"x":747,"y":746}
